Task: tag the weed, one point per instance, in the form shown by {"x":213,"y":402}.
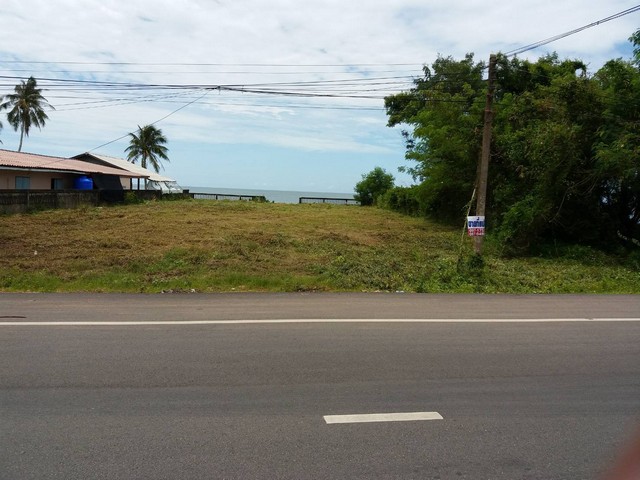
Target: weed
{"x":209,"y":246}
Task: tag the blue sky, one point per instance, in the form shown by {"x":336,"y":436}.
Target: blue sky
{"x":246,"y":140}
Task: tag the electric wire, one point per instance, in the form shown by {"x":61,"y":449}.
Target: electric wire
{"x":270,"y":65}
{"x":152,"y":123}
{"x":546,"y":41}
{"x":367,"y":88}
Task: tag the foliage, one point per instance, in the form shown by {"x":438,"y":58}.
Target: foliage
{"x":147,"y":146}
{"x":444,"y":109}
{"x":635,"y":39}
{"x":26,"y":108}
{"x":372,"y":186}
{"x":565,"y":161}
{"x":403,"y":200}
{"x":131,"y":198}
{"x":543,"y":167}
{"x":617,"y":149}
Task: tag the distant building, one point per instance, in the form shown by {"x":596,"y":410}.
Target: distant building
{"x":155,"y":181}
{"x":29,"y":171}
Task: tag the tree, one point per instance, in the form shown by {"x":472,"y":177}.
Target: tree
{"x":26,"y":108}
{"x":147,"y":146}
{"x":617,"y":148}
{"x":635,"y":39}
{"x":543,"y":169}
{"x":373,"y":185}
{"x":444,"y":110}
{"x":565,"y":147}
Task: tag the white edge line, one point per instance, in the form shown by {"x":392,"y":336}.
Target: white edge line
{"x":27,"y":323}
{"x":382,"y":417}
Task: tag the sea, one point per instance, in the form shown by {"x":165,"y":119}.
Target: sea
{"x":277,"y":196}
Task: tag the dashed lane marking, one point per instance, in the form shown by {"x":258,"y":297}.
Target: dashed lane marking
{"x":382,"y":417}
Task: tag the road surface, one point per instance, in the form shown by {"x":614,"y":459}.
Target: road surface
{"x":208,"y":386}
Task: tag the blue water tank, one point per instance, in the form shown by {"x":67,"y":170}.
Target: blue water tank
{"x":83,"y":183}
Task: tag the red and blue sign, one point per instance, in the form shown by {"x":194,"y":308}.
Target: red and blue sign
{"x":475,"y":226}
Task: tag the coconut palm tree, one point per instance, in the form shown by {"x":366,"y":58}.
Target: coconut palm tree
{"x":147,"y":147}
{"x":26,"y":108}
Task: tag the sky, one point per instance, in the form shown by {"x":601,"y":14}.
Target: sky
{"x":300,"y":105}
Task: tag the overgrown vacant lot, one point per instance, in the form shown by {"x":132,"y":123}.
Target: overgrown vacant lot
{"x":227,"y":246}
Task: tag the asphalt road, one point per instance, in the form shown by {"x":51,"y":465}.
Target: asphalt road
{"x":518,"y":400}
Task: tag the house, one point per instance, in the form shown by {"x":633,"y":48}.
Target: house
{"x":28,"y":171}
{"x":155,"y":181}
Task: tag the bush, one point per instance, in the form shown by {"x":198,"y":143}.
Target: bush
{"x":131,"y":198}
{"x":373,"y":185}
{"x":402,"y":199}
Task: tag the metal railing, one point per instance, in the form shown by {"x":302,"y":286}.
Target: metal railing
{"x":335,"y":201}
{"x":20,"y":201}
{"x":227,"y":196}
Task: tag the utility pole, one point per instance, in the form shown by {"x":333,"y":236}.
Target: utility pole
{"x":483,"y":168}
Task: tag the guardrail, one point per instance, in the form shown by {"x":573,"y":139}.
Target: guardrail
{"x":21,"y":201}
{"x":335,"y":201}
{"x":227,"y":196}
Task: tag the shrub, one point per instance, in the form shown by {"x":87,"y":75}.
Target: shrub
{"x":373,"y":185}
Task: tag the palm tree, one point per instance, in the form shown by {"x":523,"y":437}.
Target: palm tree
{"x":147,"y":146}
{"x":26,"y":107}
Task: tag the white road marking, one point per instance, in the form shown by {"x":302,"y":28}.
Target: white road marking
{"x":382,"y":417}
{"x":27,"y":323}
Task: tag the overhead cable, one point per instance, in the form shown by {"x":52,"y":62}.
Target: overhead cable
{"x":540,"y":43}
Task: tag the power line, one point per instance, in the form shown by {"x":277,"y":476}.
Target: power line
{"x":202,"y":72}
{"x":152,"y":123}
{"x":270,"y":65}
{"x":367,"y":88}
{"x":540,"y":43}
{"x":109,"y":83}
{"x":55,"y":83}
{"x":374,"y":88}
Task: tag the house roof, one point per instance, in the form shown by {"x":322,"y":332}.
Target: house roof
{"x":32,"y":161}
{"x":131,"y":167}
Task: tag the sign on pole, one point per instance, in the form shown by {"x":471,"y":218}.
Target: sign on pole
{"x":475,"y":226}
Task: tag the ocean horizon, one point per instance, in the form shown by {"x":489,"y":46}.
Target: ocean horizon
{"x":277,"y":196}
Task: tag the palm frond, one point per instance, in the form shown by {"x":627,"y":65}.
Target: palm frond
{"x":26,"y":107}
{"x":147,"y":147}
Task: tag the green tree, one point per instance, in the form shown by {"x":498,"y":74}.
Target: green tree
{"x":565,"y":147}
{"x":26,"y":108}
{"x":444,"y":111}
{"x":147,"y":146}
{"x":542,"y":157}
{"x":617,"y":148}
{"x":635,"y":39}
{"x":372,"y":186}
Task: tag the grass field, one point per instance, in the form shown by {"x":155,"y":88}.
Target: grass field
{"x":208,"y":246}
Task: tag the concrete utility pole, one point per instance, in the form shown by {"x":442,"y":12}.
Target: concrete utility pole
{"x":483,"y":168}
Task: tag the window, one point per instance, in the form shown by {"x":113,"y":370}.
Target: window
{"x":23,"y":183}
{"x":57,"y":184}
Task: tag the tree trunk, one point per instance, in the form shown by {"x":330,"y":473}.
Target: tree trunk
{"x":143,"y":164}
{"x":21,"y":137}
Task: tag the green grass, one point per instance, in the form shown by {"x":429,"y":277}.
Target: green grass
{"x":208,"y":246}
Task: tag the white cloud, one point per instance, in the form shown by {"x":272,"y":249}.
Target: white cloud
{"x":233,"y":34}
